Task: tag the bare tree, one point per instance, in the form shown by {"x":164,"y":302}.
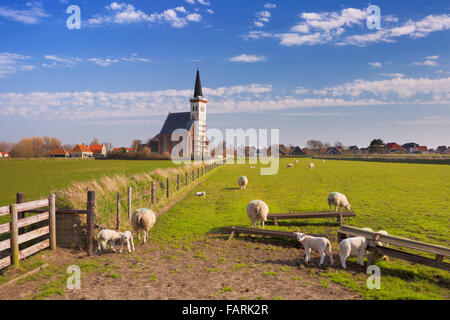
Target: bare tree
{"x":6,"y":146}
{"x":108,"y":146}
{"x":314,"y":144}
{"x":95,"y":141}
{"x":136,"y":143}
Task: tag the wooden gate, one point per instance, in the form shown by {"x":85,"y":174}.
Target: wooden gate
{"x":12,"y":252}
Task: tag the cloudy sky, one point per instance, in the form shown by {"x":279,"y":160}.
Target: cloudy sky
{"x":313,"y":69}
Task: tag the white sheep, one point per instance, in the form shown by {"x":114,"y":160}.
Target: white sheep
{"x":296,"y":161}
{"x":257,"y":211}
{"x":200,"y":194}
{"x":289,"y":165}
{"x":320,"y":244}
{"x":311,"y":165}
{"x":356,"y":246}
{"x":127,"y":237}
{"x":242,"y":182}
{"x":143,"y":220}
{"x":105,"y":236}
{"x":323,"y":160}
{"x":338,"y":200}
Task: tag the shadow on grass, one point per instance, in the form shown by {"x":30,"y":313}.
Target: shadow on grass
{"x":297,"y":223}
{"x":228,"y":189}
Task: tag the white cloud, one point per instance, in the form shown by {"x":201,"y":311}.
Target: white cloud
{"x":11,"y":63}
{"x":210,"y":11}
{"x":122,"y":13}
{"x":375,"y":64}
{"x":33,"y":15}
{"x":393,"y":75}
{"x":433,"y":120}
{"x":270,"y":6}
{"x":247,"y":58}
{"x":103,"y":62}
{"x":429,"y":61}
{"x":204,"y":2}
{"x":301,"y":90}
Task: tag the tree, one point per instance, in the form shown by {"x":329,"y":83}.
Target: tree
{"x":50,"y":144}
{"x":108,"y":146}
{"x":95,"y":142}
{"x":136,"y":143}
{"x":314,"y":144}
{"x":6,"y":146}
{"x":338,"y":144}
{"x":376,"y":146}
{"x":23,"y":149}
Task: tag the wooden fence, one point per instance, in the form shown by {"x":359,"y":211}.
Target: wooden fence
{"x":440,"y":252}
{"x":14,"y":249}
{"x":310,"y":215}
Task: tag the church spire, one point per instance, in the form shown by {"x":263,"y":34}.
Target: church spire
{"x":198,"y":86}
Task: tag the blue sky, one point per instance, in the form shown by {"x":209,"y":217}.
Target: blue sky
{"x":312,"y":69}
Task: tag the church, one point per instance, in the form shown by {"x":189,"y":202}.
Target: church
{"x":193,"y":121}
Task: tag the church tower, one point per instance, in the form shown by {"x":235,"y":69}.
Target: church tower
{"x":198,"y":115}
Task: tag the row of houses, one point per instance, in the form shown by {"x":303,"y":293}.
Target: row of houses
{"x":84,"y":151}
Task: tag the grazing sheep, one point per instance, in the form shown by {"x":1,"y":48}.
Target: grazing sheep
{"x":356,"y":246}
{"x":257,"y":211}
{"x":127,"y":237}
{"x":200,"y":194}
{"x":311,"y":165}
{"x":296,"y":161}
{"x":323,"y":160}
{"x":289,"y":165}
{"x":143,"y":220}
{"x":379,"y":243}
{"x":320,"y":244}
{"x":242,"y":182}
{"x":105,"y":236}
{"x":374,"y":256}
{"x":338,"y":200}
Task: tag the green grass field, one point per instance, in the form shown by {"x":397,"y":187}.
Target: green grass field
{"x":410,"y":200}
{"x":37,"y":178}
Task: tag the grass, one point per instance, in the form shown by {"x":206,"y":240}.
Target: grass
{"x":405,"y":199}
{"x":37,"y":178}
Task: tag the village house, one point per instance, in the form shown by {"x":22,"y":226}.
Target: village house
{"x":123,"y":149}
{"x":59,"y":153}
{"x":393,"y":147}
{"x":422,"y":149}
{"x":193,"y":122}
{"x":410,"y":147}
{"x":99,"y":151}
{"x":81,"y":151}
{"x":4,"y":155}
{"x":297,"y":151}
{"x":334,"y":151}
{"x":441,"y":149}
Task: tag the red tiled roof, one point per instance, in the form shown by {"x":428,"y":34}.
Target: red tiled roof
{"x":392,"y":146}
{"x":81,"y":148}
{"x":59,"y":151}
{"x":422,"y":148}
{"x":96,"y":148}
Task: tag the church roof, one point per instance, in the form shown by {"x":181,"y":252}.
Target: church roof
{"x":198,"y":86}
{"x":179,"y":120}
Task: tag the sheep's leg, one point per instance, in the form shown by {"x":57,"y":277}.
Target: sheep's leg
{"x":343,"y":259}
{"x":322,"y":258}
{"x":113,"y":245}
{"x":132,"y":243}
{"x":99,"y":244}
{"x":331,"y":255}
{"x":145,"y":237}
{"x":139,"y":236}
{"x":121,"y":246}
{"x":263,"y":224}
{"x":128,"y":245}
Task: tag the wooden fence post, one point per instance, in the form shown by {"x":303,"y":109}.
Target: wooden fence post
{"x":186,"y":179}
{"x":129,"y":202}
{"x":20,"y":198}
{"x":118,"y":212}
{"x":14,"y":236}
{"x":178,"y":182}
{"x":193,"y":175}
{"x":90,"y":222}
{"x":52,"y":212}
{"x":167,"y":184}
{"x":198,"y":173}
{"x":153,"y":192}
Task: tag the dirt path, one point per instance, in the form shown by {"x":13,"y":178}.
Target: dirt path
{"x":212,"y":269}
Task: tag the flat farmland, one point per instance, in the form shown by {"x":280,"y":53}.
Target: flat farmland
{"x":37,"y":178}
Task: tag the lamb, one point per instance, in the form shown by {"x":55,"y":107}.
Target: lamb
{"x":338,"y":200}
{"x":105,"y":236}
{"x":242,"y":182}
{"x":311,"y":165}
{"x":296,"y":161}
{"x":356,"y":246}
{"x":374,"y":256}
{"x":289,"y":165}
{"x":320,"y":244}
{"x":257,"y":211}
{"x":200,"y":194}
{"x":143,"y":220}
{"x":127,"y":237}
{"x":323,"y":160}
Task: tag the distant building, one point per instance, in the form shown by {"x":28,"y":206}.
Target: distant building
{"x":354,"y":149}
{"x":410,"y":147}
{"x":334,"y":151}
{"x":123,"y":149}
{"x":441,"y":149}
{"x":393,"y":147}
{"x":194,"y":122}
{"x":297,"y":151}
{"x":99,"y":151}
{"x":81,"y":151}
{"x":422,"y":149}
{"x":59,"y":153}
{"x":4,"y":155}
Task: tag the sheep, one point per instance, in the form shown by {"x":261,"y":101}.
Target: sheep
{"x":105,"y":236}
{"x":320,"y":244}
{"x":289,"y":165}
{"x":323,"y":160}
{"x":242,"y":182}
{"x":311,"y":165}
{"x":338,"y":200}
{"x":374,"y":256}
{"x":127,"y":237}
{"x":296,"y":161}
{"x":257,"y":211}
{"x":200,"y":194}
{"x":143,"y":220}
{"x":356,"y":246}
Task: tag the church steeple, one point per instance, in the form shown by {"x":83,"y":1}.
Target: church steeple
{"x":198,"y":86}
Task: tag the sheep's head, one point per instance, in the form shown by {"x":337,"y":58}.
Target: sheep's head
{"x":347,"y":206}
{"x":300,"y":236}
